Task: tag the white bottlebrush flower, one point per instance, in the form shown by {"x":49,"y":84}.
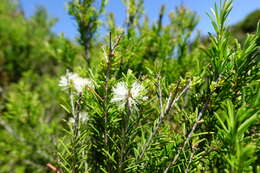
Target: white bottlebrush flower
{"x":67,"y":80}
{"x":81,"y":83}
{"x":73,"y":80}
{"x":122,"y":94}
{"x":136,"y":89}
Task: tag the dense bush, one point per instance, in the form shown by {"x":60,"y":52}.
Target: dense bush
{"x":145,"y":99}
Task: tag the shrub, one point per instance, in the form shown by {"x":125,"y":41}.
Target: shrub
{"x":150,"y":100}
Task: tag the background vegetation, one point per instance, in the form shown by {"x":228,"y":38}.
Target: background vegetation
{"x":146,"y":98}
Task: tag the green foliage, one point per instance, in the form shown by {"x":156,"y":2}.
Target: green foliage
{"x":150,"y":100}
{"x":19,"y":42}
{"x":87,"y":18}
{"x":233,"y":126}
{"x":25,"y":129}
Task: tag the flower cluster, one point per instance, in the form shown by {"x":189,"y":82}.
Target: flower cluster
{"x":73,"y":80}
{"x":123,"y":95}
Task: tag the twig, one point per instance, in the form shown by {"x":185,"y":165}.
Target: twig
{"x":109,"y":62}
{"x":170,"y":103}
{"x":189,"y":136}
{"x":106,"y":84}
{"x":117,"y":42}
{"x":160,"y":96}
{"x":53,"y":168}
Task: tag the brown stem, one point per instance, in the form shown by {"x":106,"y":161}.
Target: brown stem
{"x":53,"y":168}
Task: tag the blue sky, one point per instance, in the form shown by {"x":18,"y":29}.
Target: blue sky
{"x":57,"y":8}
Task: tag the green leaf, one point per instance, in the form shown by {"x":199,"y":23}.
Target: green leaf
{"x":65,"y":108}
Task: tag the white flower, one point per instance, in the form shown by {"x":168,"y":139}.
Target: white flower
{"x":132,"y":95}
{"x":83,"y":117}
{"x":136,"y":89}
{"x":120,"y":92}
{"x":81,"y":83}
{"x":73,"y":80}
{"x":67,"y":80}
